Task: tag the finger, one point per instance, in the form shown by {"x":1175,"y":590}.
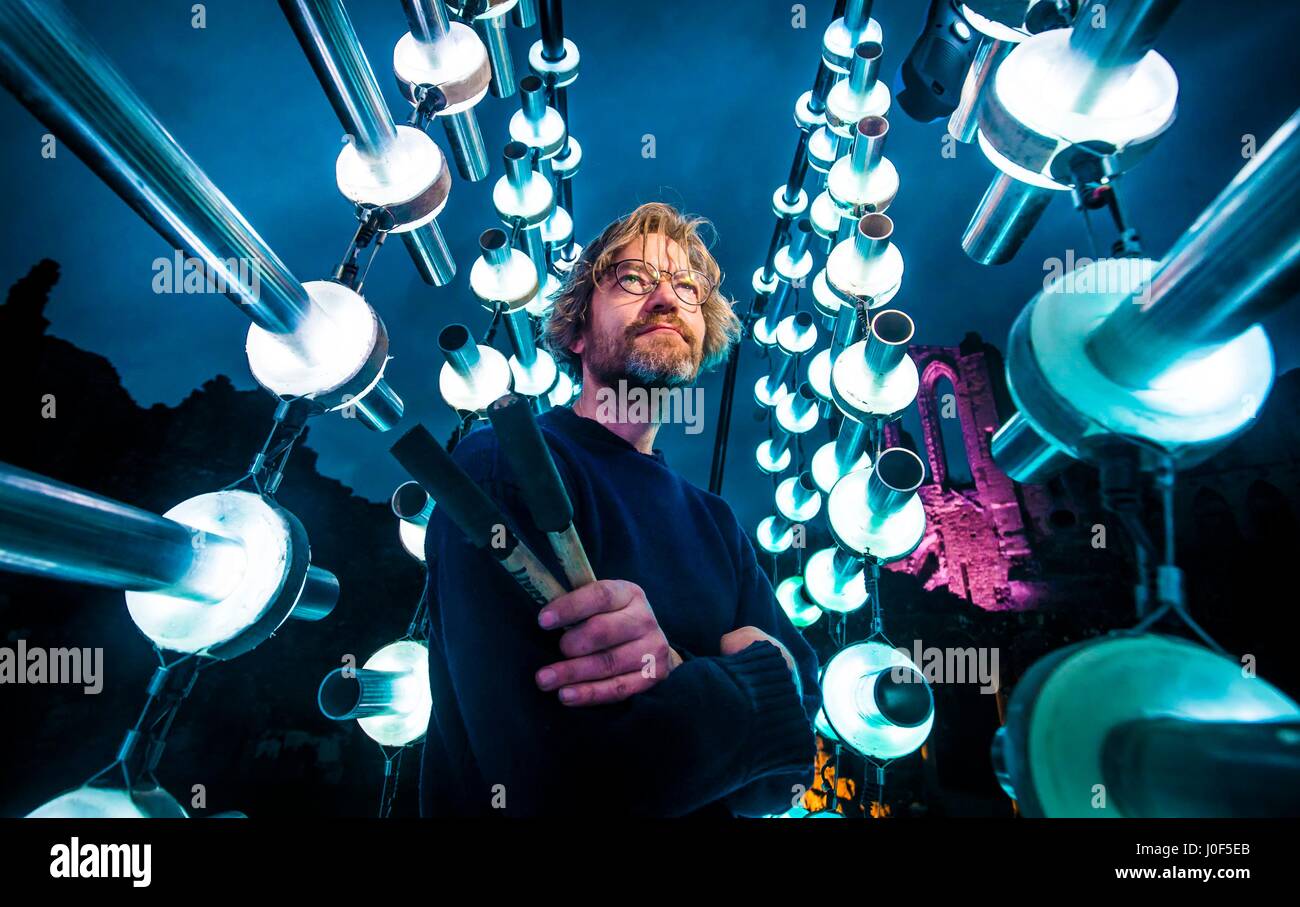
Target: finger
{"x":605,"y":631}
{"x":594,"y":598}
{"x":625,"y":659}
{"x":603,"y":692}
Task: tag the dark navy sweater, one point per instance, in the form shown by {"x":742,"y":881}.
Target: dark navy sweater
{"x":721,"y":735}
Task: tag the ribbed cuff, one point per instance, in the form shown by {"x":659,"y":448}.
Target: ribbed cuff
{"x":781,"y":738}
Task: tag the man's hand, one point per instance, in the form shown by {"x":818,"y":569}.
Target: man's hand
{"x":740,"y":639}
{"x":611,"y":630}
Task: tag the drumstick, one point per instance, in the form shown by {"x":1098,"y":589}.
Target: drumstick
{"x":476,"y":514}
{"x":539,"y":481}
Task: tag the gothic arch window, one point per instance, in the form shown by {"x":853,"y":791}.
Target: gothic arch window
{"x":943,"y":426}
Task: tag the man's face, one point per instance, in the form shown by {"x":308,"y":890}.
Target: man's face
{"x":650,"y":340}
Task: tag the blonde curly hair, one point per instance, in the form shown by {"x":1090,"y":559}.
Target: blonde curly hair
{"x":568,"y":315}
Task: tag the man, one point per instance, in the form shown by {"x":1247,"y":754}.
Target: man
{"x":673,"y":685}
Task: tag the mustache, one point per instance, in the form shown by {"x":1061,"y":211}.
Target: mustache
{"x":678,"y":325}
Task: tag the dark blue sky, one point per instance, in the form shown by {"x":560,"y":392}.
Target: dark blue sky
{"x":714,"y":82}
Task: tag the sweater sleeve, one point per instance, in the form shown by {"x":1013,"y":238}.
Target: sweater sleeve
{"x":708,"y":729}
{"x":758,"y":607}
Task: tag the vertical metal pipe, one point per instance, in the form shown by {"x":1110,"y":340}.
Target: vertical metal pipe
{"x":850,"y":442}
{"x":864,"y":69}
{"x":868,"y":143}
{"x":887,"y":340}
{"x":964,"y":122}
{"x":465,"y":139}
{"x":894,"y":478}
{"x":459,"y":348}
{"x":846,"y":325}
{"x":492,"y":29}
{"x":49,"y":63}
{"x":524,"y":14}
{"x":519,"y":325}
{"x":427,"y":19}
{"x":1006,"y":215}
{"x":1113,"y":40}
{"x":430,"y":253}
{"x":334,"y":51}
{"x":552,"y":15}
{"x":1238,"y":261}
{"x":51,"y":529}
{"x":872,"y":235}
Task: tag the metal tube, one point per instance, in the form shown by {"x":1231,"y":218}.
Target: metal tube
{"x":857,"y":14}
{"x":320,"y":593}
{"x":348,"y":693}
{"x":798,"y":245}
{"x":1234,"y":265}
{"x":872,"y":235}
{"x":524,"y":14}
{"x":50,"y":64}
{"x":427,"y":19}
{"x":1113,"y":41}
{"x":334,"y":52}
{"x":465,"y":139}
{"x":887,"y":340}
{"x":1025,"y":455}
{"x":517,"y":167}
{"x":519,"y":326}
{"x":850,"y":442}
{"x":804,"y":489}
{"x":532,"y":98}
{"x":51,"y":529}
{"x":492,"y":29}
{"x":552,"y":15}
{"x":495,"y":246}
{"x":845,"y":329}
{"x":412,"y":503}
{"x":864,"y":69}
{"x":845,"y":566}
{"x":459,"y":349}
{"x":781,"y":362}
{"x":894,"y":478}
{"x":964,"y":122}
{"x":1006,"y":215}
{"x":868,"y":143}
{"x":431,"y":254}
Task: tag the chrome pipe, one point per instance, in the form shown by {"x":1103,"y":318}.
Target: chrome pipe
{"x":51,"y":529}
{"x":891,"y":331}
{"x":465,"y":139}
{"x":50,"y":64}
{"x":895,"y":477}
{"x":334,"y":52}
{"x":1006,"y":215}
{"x":459,"y":349}
{"x":1235,"y":264}
{"x":963,"y":124}
{"x":1113,"y":42}
{"x":348,"y":693}
{"x":427,"y":19}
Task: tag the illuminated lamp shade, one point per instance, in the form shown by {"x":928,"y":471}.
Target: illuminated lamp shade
{"x":797,"y":607}
{"x":111,"y":803}
{"x":413,"y":507}
{"x":474,"y":374}
{"x":389,"y":696}
{"x":277,"y":580}
{"x":876,"y":700}
{"x":336,"y":355}
{"x":409,"y":178}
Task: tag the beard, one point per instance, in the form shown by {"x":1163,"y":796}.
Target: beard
{"x":653,"y":360}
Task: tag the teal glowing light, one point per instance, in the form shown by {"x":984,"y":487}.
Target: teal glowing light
{"x":797,"y":607}
{"x":110,"y":803}
{"x":852,"y":704}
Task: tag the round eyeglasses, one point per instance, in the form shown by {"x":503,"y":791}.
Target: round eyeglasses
{"x":640,"y":278}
